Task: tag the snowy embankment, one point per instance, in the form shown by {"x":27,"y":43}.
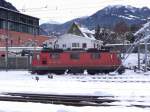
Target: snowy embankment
{"x":100,"y":84}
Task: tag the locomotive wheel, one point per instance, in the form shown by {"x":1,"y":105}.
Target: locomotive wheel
{"x":33,"y":72}
{"x":121,"y":70}
{"x":58,"y":72}
{"x":40,"y":72}
{"x":75,"y":71}
{"x":92,"y":72}
{"x":106,"y":72}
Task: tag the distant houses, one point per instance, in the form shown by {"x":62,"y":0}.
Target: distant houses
{"x":77,"y":37}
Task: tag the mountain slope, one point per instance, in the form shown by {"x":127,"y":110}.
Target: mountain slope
{"x":107,"y":17}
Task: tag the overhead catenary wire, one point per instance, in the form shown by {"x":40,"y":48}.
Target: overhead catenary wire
{"x":57,"y":6}
{"x":54,"y":9}
{"x":48,"y":11}
{"x":56,"y":12}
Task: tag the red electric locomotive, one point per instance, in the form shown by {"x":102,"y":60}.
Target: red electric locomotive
{"x":75,"y":61}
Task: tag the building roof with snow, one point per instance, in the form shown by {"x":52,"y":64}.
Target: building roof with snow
{"x":78,"y":30}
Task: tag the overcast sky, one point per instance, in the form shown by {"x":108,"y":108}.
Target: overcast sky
{"x":64,"y":10}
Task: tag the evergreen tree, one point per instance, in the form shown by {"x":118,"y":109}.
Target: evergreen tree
{"x":97,"y":32}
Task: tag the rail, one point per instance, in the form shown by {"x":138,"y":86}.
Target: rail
{"x":77,"y":100}
{"x":74,"y":100}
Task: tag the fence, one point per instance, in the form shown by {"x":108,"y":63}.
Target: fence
{"x":21,"y":62}
{"x":123,"y":48}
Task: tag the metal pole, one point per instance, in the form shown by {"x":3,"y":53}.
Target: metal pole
{"x":6,"y":39}
{"x":6,"y":57}
{"x":145,"y":70}
{"x":138,"y":56}
{"x":28,"y":63}
{"x":34,"y":52}
{"x":123,"y":48}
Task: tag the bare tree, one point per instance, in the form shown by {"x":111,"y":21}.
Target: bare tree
{"x":121,"y":27}
{"x":106,"y":35}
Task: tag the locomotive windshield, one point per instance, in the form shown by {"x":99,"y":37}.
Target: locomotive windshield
{"x":75,"y":55}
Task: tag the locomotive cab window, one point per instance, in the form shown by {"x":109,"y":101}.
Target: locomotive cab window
{"x":75,"y":55}
{"x":95,"y":55}
{"x":55,"y":55}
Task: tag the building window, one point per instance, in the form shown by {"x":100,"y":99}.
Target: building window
{"x":56,"y":46}
{"x":11,"y":26}
{"x":75,"y":45}
{"x":95,"y":55}
{"x":17,"y":28}
{"x":3,"y":14}
{"x":75,"y":55}
{"x":84,"y":45}
{"x":64,"y":45}
{"x":30,"y":21}
{"x":24,"y":28}
{"x":30,"y":30}
{"x":36,"y":22}
{"x":22,"y":19}
{"x":3,"y":24}
{"x":11,"y":16}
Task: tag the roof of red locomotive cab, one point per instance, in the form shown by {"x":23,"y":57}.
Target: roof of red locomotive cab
{"x":74,"y":50}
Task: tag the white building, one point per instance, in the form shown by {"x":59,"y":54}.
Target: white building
{"x":78,"y":38}
{"x":71,"y":41}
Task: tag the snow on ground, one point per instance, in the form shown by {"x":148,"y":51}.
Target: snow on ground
{"x":130,"y":88}
{"x":23,"y":81}
{"x":132,"y":60}
{"x":100,"y":84}
{"x":37,"y":107}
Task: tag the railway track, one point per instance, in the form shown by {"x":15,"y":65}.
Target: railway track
{"x":118,"y":79}
{"x":73,"y":100}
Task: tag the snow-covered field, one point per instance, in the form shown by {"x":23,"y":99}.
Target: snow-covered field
{"x":131,"y":89}
{"x":129,"y":92}
{"x":132,"y":59}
